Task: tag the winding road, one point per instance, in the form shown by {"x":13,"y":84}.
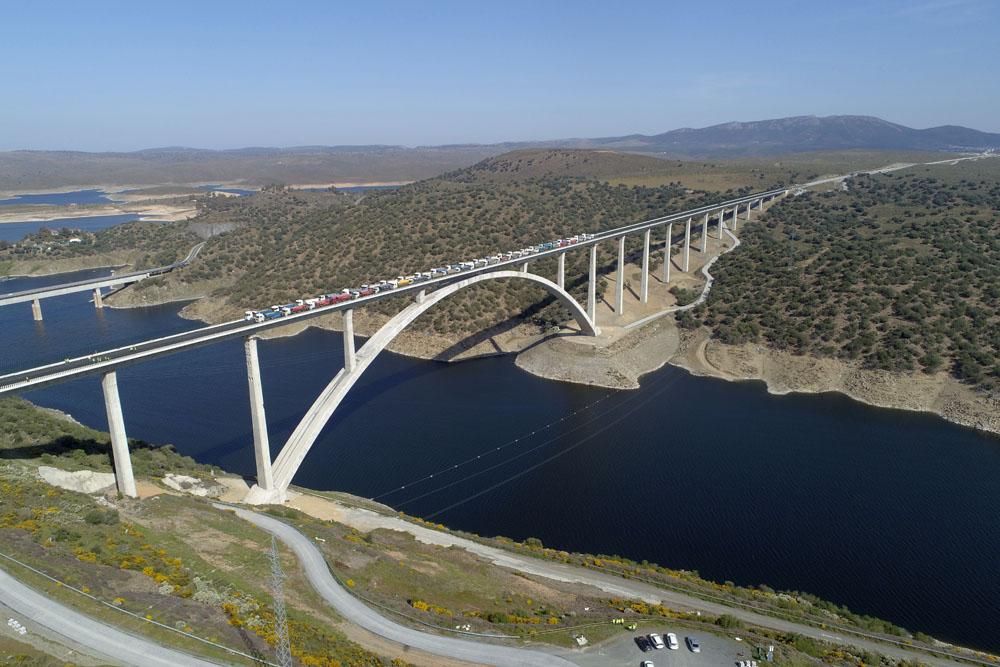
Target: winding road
{"x":355,"y":611}
{"x":120,"y":647}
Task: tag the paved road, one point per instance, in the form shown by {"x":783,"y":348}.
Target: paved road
{"x":367,"y":520}
{"x":102,"y":362}
{"x":357,"y":612}
{"x":105,"y":641}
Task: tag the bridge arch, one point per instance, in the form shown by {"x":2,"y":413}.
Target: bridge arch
{"x":301,"y":440}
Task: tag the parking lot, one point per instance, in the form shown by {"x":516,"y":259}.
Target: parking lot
{"x":716,"y":651}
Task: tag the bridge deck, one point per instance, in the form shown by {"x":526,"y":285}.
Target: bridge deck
{"x":94,"y":283}
{"x":102,"y":362}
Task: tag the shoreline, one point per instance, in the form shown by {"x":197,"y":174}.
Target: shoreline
{"x":624,"y":354}
{"x":146,"y":212}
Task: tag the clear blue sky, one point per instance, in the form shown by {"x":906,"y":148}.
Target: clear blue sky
{"x":123,"y":76}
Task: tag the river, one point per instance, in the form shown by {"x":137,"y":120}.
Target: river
{"x":892,"y":513}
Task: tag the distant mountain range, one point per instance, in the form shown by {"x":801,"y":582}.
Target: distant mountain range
{"x":798,"y":134}
{"x":20,"y":170}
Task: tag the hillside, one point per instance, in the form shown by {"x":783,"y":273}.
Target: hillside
{"x":802,"y":134}
{"x":35,"y":170}
{"x":280,"y":245}
{"x":899,"y":272}
{"x":527,"y":164}
{"x":183,"y":563}
{"x":39,"y":170}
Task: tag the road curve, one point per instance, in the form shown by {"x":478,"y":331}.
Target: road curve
{"x":106,"y":641}
{"x":360,"y":614}
{"x":614,"y":585}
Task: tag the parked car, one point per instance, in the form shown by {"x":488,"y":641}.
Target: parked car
{"x":692,"y":644}
{"x":672,"y":642}
{"x":657,"y":641}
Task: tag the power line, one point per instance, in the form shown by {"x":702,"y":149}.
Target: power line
{"x":563,"y":452}
{"x":509,"y":443}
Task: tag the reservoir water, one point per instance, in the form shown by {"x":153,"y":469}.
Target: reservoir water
{"x":15,"y":231}
{"x":59,"y":198}
{"x":892,"y":513}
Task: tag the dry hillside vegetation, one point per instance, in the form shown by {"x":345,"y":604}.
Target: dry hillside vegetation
{"x":900,"y":272}
{"x":281,"y":245}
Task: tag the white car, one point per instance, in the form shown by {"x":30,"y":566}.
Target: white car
{"x":672,"y":642}
{"x":693,"y":644}
{"x":657,"y":641}
{"x":646,"y":663}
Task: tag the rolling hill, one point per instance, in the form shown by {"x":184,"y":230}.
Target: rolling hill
{"x":28,"y":170}
{"x":800,"y":134}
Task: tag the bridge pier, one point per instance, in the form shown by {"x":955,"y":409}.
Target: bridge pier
{"x":620,"y":283}
{"x":736,"y":216}
{"x":592,"y":286}
{"x":98,"y":299}
{"x":524,"y":268}
{"x":704,"y":235}
{"x":561,"y":274}
{"x":666,"y":252}
{"x":644,"y":281}
{"x":350,"y":357}
{"x":687,"y":246}
{"x":124,"y":478}
{"x":261,"y":445}
{"x":722,"y":216}
{"x":36,"y":310}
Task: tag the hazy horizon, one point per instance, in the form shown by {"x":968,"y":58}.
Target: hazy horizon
{"x":119,"y":78}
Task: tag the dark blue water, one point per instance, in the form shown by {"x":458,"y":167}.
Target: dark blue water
{"x":15,"y":231}
{"x":892,"y":513}
{"x":60,"y":198}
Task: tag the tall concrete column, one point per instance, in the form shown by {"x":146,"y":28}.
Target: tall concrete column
{"x":119,"y":443}
{"x":258,"y":419}
{"x":36,"y":310}
{"x":524,"y":268}
{"x":349,"y":356}
{"x":687,"y":246}
{"x":666,"y":252}
{"x":704,"y":235}
{"x":592,"y":286}
{"x":644,"y":281}
{"x":421,"y":295}
{"x":620,"y":283}
{"x":736,"y":215}
{"x":561,"y":274}
{"x":98,"y":300}
{"x":722,"y":217}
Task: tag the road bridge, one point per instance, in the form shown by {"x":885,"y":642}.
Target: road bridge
{"x":36,"y":295}
{"x":273,"y":477}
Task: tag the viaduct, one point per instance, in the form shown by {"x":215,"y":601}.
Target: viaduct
{"x":275,"y":475}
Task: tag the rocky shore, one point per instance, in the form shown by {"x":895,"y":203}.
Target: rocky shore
{"x":785,"y":373}
{"x":620,"y":357}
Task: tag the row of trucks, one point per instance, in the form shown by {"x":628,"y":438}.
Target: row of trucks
{"x":347,"y":294}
